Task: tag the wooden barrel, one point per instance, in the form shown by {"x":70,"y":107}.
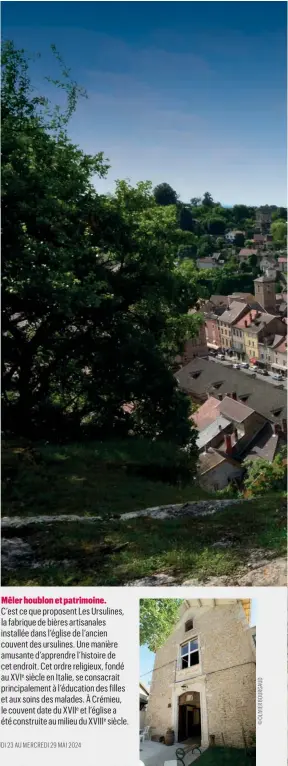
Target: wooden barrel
{"x":169,"y":737}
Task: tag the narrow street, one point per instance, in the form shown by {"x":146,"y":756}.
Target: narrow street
{"x":265,"y":378}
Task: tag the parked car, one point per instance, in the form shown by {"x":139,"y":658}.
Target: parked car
{"x":245,"y":365}
{"x":221,"y":356}
{"x":277,"y":376}
{"x":236,"y":366}
{"x":262,"y":372}
{"x":254,"y":368}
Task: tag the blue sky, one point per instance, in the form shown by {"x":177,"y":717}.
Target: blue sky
{"x":192,"y":93}
{"x":147,"y":658}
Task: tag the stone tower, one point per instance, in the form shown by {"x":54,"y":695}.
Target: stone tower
{"x":265,"y":292}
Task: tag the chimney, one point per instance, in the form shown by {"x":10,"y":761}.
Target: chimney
{"x":284,"y":425}
{"x":228,"y":444}
{"x":234,"y":396}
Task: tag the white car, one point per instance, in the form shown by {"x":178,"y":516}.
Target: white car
{"x":221,"y":356}
{"x":253,"y":367}
{"x":245,"y":365}
{"x":277,"y":376}
{"x":236,"y":366}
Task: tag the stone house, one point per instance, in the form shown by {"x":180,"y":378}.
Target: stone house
{"x":204,"y":683}
{"x":207,"y":263}
{"x":216,"y":470}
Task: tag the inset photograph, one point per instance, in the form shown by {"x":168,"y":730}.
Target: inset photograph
{"x":197,"y":690}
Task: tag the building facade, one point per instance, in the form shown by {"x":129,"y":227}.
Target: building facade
{"x":196,"y":346}
{"x":213,"y":338}
{"x":255,"y":331}
{"x":279,"y":356}
{"x":203,"y":683}
{"x":236,"y":310}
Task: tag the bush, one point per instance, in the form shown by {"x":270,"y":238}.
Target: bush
{"x":262,"y":477}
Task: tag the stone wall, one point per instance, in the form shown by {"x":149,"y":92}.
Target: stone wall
{"x":225,"y":676}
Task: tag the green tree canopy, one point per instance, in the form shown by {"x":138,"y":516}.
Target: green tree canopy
{"x":216,"y":226}
{"x":281,"y":213}
{"x":253,"y":261}
{"x":158,"y":616}
{"x":93,"y":311}
{"x":279,"y":231}
{"x":165,"y":195}
{"x":239,"y":239}
{"x":240,"y":213}
{"x":262,"y":476}
{"x":207,"y":200}
{"x":186,"y":222}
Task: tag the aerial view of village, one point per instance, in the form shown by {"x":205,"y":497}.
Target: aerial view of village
{"x":144,"y":318}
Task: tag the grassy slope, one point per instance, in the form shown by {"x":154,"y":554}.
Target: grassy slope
{"x":73,"y":480}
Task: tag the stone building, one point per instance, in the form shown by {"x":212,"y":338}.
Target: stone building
{"x":203,"y":683}
{"x":265,"y":292}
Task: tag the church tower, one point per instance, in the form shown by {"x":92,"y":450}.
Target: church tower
{"x":265,"y":293}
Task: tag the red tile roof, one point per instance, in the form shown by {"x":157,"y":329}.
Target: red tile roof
{"x":206,"y":414}
{"x":248,"y":318}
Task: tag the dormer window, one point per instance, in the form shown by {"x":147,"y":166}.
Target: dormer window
{"x":188,"y":625}
{"x":189,"y":654}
